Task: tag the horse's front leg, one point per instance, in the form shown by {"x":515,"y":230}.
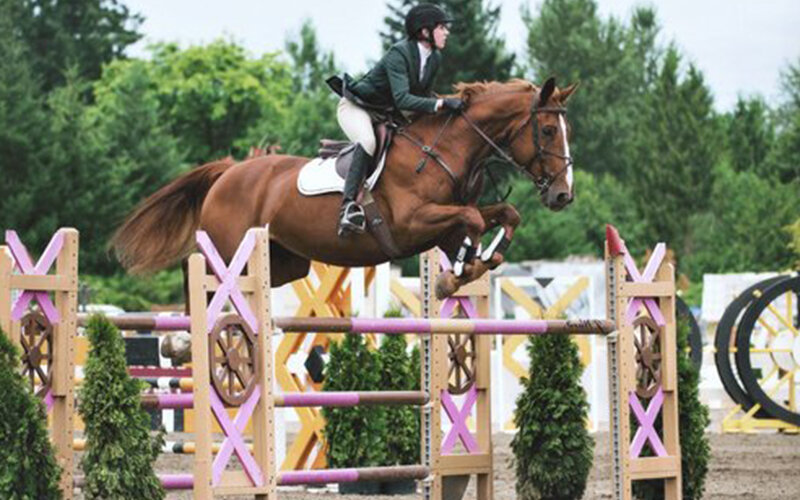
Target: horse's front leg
{"x":433,"y":221}
{"x":505,"y":216}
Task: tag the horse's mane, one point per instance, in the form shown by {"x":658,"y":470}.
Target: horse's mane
{"x":468,"y":90}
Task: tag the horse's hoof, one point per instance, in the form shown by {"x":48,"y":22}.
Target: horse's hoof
{"x":446,"y":285}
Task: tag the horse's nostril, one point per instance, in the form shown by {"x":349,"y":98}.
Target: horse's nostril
{"x":563,"y":198}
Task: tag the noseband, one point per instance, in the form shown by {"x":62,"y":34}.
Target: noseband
{"x":545,"y":180}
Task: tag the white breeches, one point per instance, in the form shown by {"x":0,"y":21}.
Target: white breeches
{"x":356,"y":124}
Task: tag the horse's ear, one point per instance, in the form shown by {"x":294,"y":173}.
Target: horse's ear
{"x":547,"y":91}
{"x":565,"y":94}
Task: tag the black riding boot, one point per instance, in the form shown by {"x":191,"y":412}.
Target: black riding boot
{"x":351,"y":215}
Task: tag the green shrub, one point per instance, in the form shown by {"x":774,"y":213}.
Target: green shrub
{"x":120,"y":452}
{"x":355,"y":436}
{"x":552,"y":448}
{"x":402,"y":422}
{"x":28,"y":468}
{"x":693,"y":418}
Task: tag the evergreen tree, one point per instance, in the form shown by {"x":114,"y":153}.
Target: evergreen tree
{"x":402,"y":422}
{"x":22,"y":142}
{"x":474,"y":50}
{"x":750,"y":135}
{"x":78,"y":178}
{"x":677,"y":146}
{"x":784,"y":163}
{"x":568,"y":39}
{"x":140,"y":153}
{"x":311,"y":66}
{"x":552,"y":449}
{"x":120,"y":452}
{"x":28,"y":468}
{"x":355,"y":436}
{"x":85,"y":34}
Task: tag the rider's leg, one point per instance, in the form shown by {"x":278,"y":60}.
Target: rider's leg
{"x":351,"y":216}
{"x":357,"y":125}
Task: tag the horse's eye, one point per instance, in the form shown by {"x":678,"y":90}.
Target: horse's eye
{"x":549,"y":131}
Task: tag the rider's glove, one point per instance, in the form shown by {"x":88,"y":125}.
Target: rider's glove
{"x":452,"y":104}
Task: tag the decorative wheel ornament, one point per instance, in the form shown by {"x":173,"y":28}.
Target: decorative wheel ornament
{"x":234,"y":355}
{"x":725,"y":345}
{"x":647,"y":340}
{"x":462,"y":362}
{"x":37,"y":346}
{"x":768,"y":349}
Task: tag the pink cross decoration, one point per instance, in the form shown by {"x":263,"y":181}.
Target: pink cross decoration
{"x":234,"y":442}
{"x":645,"y":277}
{"x":25,"y":264}
{"x":646,"y":431}
{"x":227,"y":275}
{"x":459,"y":430}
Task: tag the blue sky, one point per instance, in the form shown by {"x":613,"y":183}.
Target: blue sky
{"x":741,"y":46}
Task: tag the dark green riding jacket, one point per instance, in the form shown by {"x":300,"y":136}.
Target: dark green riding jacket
{"x":395,"y":80}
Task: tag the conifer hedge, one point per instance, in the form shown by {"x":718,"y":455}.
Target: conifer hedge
{"x":552,"y":448}
{"x":28,"y":467}
{"x":120,"y":451}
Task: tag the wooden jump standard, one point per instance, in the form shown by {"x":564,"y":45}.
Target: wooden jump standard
{"x":636,"y":301}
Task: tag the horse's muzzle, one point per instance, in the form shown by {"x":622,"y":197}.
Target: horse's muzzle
{"x":556,"y":201}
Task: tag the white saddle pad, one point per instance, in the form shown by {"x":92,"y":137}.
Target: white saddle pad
{"x":319,"y":177}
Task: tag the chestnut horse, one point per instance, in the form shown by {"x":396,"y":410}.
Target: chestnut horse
{"x":423,"y":208}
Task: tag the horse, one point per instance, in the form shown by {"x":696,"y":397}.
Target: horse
{"x":426,"y":195}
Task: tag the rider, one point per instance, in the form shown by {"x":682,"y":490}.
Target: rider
{"x":402,"y":81}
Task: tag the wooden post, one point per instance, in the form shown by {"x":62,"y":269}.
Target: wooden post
{"x":63,"y":370}
{"x":200,"y":360}
{"x":621,"y":376}
{"x":433,"y":379}
{"x":263,"y":419}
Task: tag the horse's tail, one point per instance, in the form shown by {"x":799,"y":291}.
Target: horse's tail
{"x":160,"y":231}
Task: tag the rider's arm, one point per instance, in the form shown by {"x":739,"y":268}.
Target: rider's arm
{"x":397,"y":72}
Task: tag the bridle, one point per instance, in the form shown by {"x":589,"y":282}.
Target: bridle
{"x":545,"y":180}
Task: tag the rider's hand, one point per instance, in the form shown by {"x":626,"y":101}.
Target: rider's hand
{"x":452,"y":104}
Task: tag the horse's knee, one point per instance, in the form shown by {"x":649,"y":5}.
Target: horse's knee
{"x":473,"y":221}
{"x":512,"y":216}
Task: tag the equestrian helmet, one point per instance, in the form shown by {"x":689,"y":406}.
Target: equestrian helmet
{"x":425,"y":15}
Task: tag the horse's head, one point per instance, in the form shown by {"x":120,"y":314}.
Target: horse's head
{"x":545,"y":156}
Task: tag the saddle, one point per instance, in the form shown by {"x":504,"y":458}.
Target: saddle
{"x":343,"y":150}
